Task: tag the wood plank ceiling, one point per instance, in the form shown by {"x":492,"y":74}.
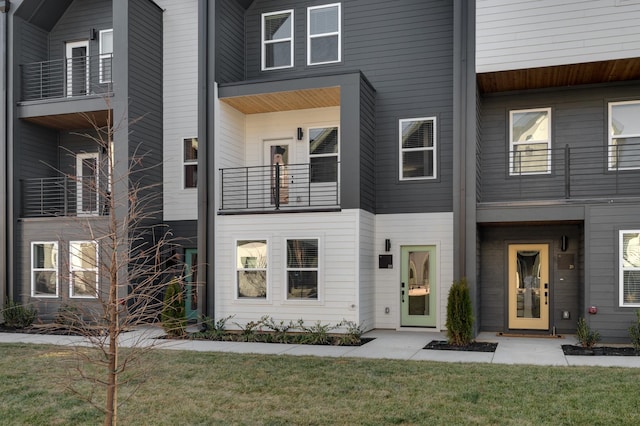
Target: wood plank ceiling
{"x":561,"y":75}
{"x":285,"y":101}
{"x":71,"y":121}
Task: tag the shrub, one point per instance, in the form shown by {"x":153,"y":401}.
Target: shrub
{"x":317,"y":334}
{"x":173,"y":316}
{"x":250,"y":329}
{"x":353,"y":335}
{"x":280,"y":329}
{"x":634,"y":332}
{"x":18,"y":316}
{"x":68,"y":315}
{"x":585,"y":335}
{"x":459,"y":314}
{"x":211,"y":329}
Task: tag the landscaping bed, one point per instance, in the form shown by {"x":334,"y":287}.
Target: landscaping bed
{"x":600,"y":350}
{"x":443,"y":345}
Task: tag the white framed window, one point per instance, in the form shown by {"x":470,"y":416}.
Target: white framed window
{"x":190,"y":159}
{"x":624,"y":135}
{"x":324,"y":149}
{"x":418,"y":148}
{"x":302,"y":268}
{"x":251,"y":269}
{"x":106,"y":55}
{"x":629,"y":261}
{"x":277,"y":40}
{"x":83,"y":269}
{"x":530,"y":141}
{"x":44,"y":269}
{"x":324,"y":44}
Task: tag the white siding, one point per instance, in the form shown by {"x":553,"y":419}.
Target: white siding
{"x":338,"y":234}
{"x":180,"y":63}
{"x":367,"y":269}
{"x":518,"y":34}
{"x":412,"y":229}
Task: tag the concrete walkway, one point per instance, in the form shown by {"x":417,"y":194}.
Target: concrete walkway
{"x":388,"y":344}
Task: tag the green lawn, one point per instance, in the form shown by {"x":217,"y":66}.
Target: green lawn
{"x":213,"y":388}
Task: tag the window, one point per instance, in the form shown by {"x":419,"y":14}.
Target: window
{"x":624,"y":135}
{"x":630,"y":268}
{"x":251,"y":268}
{"x":323,"y":154}
{"x":277,"y":40}
{"x":418,"y":148}
{"x":323,"y":34}
{"x":106,"y":55}
{"x":530,"y":141}
{"x":190,"y":162}
{"x":302,"y":269}
{"x":83,"y":269}
{"x":44,"y":269}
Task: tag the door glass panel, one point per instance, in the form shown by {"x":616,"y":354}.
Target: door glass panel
{"x":528,"y":269}
{"x":89,"y":187}
{"x":419,"y":284}
{"x":279,"y":158}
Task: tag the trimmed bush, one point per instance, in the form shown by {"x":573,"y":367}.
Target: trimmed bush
{"x":173,"y":316}
{"x":18,"y":316}
{"x":585,"y":335}
{"x":634,"y":333}
{"x":459,"y":314}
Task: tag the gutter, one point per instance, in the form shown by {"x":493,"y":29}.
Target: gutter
{"x":5,"y":288}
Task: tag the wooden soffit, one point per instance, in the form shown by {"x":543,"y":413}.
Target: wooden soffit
{"x":560,"y":75}
{"x":285,"y":101}
{"x":72,"y":121}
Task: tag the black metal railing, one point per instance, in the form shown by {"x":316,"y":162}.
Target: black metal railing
{"x":280,"y":187}
{"x":69,"y":77}
{"x":560,"y":173}
{"x":63,"y":196}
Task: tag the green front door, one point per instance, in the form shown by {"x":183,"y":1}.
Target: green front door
{"x":418,"y":289}
{"x":191,"y":283}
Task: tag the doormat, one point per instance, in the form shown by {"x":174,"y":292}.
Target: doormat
{"x":538,"y":336}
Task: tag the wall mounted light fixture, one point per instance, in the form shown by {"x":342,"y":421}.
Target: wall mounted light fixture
{"x":93,"y":34}
{"x":387,"y":245}
{"x":300,"y":133}
{"x":564,"y":243}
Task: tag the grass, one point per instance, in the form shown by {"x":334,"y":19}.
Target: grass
{"x":215,"y":388}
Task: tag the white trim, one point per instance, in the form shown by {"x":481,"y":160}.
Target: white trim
{"x":69,"y":46}
{"x":236,"y":296}
{"x":319,"y":276}
{"x":513,"y":144}
{"x":622,"y":268}
{"x":264,"y":42}
{"x":434,"y":149}
{"x":80,"y":182}
{"x":186,"y":163}
{"x":33,"y":270}
{"x":105,"y":55}
{"x":73,"y":269}
{"x":333,"y":33}
{"x":310,"y":156}
{"x":610,"y":136}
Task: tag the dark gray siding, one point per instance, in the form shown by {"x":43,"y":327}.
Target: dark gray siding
{"x":565,"y":285}
{"x":230,"y":42}
{"x":367,"y":146}
{"x":579,"y":120}
{"x":72,"y":143}
{"x":404,"y":49}
{"x":36,"y":151}
{"x":145,"y":98}
{"x":602,"y":258}
{"x":34,"y":43}
{"x":184,"y":232}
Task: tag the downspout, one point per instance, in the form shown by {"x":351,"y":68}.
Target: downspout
{"x":5,"y":287}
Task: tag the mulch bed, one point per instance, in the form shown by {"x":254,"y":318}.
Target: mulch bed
{"x":443,"y":345}
{"x":54,"y":329}
{"x":264,"y":338}
{"x":600,"y":351}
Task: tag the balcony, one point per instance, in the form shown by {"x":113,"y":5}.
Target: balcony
{"x":63,"y":196}
{"x":277,"y":188}
{"x":567,"y":174}
{"x":66,"y":78}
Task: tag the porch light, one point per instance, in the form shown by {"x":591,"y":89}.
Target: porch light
{"x":300,"y":133}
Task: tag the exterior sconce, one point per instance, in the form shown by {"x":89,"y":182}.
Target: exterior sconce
{"x":387,"y":245}
{"x":300,"y":133}
{"x":564,"y":243}
{"x":593,"y":310}
{"x":93,"y":34}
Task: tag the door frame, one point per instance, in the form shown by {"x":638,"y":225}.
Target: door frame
{"x":285,"y":197}
{"x":80,"y":157}
{"x":191,"y":311}
{"x":430,"y":321}
{"x":69,"y":46}
{"x":544,"y":322}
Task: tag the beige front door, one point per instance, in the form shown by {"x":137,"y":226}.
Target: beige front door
{"x":529,"y":286}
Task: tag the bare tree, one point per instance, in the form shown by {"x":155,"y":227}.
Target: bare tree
{"x":120,"y":271}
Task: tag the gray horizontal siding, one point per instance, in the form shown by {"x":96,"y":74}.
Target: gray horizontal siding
{"x":230,"y":61}
{"x":367,"y":146}
{"x":404,"y":49}
{"x":579,"y":120}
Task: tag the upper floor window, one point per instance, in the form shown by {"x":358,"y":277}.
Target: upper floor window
{"x":190,"y":162}
{"x":624,"y":135}
{"x":277,"y":40}
{"x":629,"y":262}
{"x":323,"y":154}
{"x":323,"y":34}
{"x":251,"y":269}
{"x":106,"y":55}
{"x":44,"y":269}
{"x":530,"y":141}
{"x":418,"y":148}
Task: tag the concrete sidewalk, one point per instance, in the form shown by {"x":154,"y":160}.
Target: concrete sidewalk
{"x":388,"y":344}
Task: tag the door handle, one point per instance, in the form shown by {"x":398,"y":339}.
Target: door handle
{"x":402,"y":295}
{"x":546,"y":293}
